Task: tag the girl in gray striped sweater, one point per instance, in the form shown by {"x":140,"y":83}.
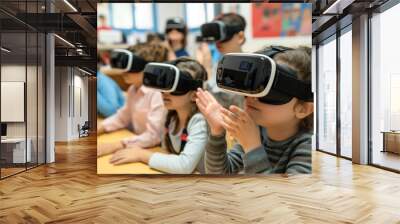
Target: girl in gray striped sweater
{"x":271,"y":138}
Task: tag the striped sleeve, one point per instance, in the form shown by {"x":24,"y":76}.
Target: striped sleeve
{"x":300,"y":159}
{"x":257,"y":161}
{"x":218,"y":161}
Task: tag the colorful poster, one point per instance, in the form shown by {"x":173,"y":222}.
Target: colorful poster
{"x":281,"y":19}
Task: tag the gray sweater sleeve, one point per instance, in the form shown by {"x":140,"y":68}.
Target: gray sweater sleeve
{"x":187,"y":161}
{"x":218,"y":161}
{"x":296,"y":160}
{"x":300,"y":161}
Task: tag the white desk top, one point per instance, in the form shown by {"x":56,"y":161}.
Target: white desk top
{"x":14,"y":140}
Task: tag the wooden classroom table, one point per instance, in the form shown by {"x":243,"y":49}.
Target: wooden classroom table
{"x":105,"y":167}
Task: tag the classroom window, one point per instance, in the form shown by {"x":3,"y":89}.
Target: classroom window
{"x":385,"y":89}
{"x":125,"y":22}
{"x":346,"y":94}
{"x":195,"y":15}
{"x":144,"y":16}
{"x":22,"y":90}
{"x":210,"y":7}
{"x":103,"y":10}
{"x":327,"y":96}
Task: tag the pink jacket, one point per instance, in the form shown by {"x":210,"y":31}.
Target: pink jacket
{"x":143,"y":112}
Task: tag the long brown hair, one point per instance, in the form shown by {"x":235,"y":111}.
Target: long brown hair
{"x":198,"y":73}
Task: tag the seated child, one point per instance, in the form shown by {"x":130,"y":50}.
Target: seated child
{"x":232,"y":43}
{"x":275,"y":128}
{"x":144,"y":109}
{"x":109,"y":95}
{"x":185,"y":134}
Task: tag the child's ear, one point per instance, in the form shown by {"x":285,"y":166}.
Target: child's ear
{"x":241,"y":37}
{"x":193,"y":96}
{"x":303,"y":109}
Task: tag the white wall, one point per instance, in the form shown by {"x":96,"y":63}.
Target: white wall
{"x":70,"y":83}
{"x":14,"y":73}
{"x":17,"y":73}
{"x":166,"y":11}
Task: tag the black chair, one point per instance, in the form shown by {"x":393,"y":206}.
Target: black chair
{"x":84,"y":130}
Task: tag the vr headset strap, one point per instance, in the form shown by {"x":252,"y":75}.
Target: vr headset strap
{"x":186,"y":83}
{"x":286,"y":83}
{"x":232,"y":30}
{"x":275,"y":50}
{"x":138,"y":64}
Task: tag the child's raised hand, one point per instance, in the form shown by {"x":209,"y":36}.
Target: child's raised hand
{"x":242,"y":127}
{"x":210,"y":108}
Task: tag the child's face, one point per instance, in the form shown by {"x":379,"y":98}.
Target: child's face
{"x":172,"y":102}
{"x":268,"y":115}
{"x":175,"y":37}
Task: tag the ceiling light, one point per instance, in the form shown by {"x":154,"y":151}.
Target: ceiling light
{"x":86,"y":72}
{"x":70,"y":5}
{"x":5,"y":49}
{"x":338,"y":6}
{"x":65,"y":41}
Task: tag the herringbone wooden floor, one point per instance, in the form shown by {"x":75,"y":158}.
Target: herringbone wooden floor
{"x":69,"y":191}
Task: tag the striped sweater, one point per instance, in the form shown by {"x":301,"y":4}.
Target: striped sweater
{"x":290,"y":156}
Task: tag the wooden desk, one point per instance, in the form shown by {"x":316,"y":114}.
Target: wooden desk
{"x":391,"y":141}
{"x":104,"y":167}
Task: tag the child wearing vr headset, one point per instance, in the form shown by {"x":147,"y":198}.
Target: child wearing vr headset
{"x":176,"y":35}
{"x":275,"y":128}
{"x":185,"y":133}
{"x":144,"y":108}
{"x":227,"y":31}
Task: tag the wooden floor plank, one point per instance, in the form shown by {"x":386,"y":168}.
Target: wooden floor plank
{"x":70,"y":191}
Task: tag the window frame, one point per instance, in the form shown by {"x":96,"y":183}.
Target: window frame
{"x":334,"y":37}
{"x":134,"y":28}
{"x":185,"y":13}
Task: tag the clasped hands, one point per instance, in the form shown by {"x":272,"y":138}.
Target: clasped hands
{"x":234,"y":120}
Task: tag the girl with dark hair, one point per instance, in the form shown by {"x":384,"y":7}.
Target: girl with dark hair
{"x":185,"y":133}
